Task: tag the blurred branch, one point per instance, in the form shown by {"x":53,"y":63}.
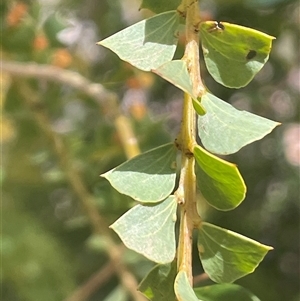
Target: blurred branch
{"x":87,"y":200}
{"x":94,"y":90}
{"x":59,"y":75}
{"x":128,"y":139}
{"x":93,"y":283}
{"x":200,"y":278}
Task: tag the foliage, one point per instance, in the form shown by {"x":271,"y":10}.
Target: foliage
{"x":56,"y":129}
{"x":147,"y":178}
{"x":233,"y":55}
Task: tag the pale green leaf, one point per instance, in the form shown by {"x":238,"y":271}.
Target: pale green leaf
{"x":225,"y":130}
{"x":159,"y":6}
{"x":227,"y":256}
{"x":177,"y":74}
{"x":149,"y":230}
{"x":147,"y":44}
{"x":183,"y":289}
{"x":224,"y":292}
{"x":219,"y":181}
{"x":149,"y":177}
{"x":233,"y":54}
{"x":158,"y":285}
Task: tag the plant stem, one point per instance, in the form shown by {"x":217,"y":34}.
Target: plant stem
{"x":186,"y":193}
{"x":191,"y":55}
{"x":86,"y":290}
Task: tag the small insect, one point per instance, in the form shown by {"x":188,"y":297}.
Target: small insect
{"x":251,"y":54}
{"x":218,"y":26}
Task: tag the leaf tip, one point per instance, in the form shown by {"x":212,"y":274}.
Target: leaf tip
{"x":112,"y":226}
{"x":104,"y":175}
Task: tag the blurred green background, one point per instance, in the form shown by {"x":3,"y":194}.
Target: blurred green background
{"x":57,"y":138}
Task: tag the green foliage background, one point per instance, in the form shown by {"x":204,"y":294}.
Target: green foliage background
{"x":47,"y":246}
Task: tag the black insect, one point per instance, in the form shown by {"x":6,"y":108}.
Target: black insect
{"x":251,"y":54}
{"x":218,"y":26}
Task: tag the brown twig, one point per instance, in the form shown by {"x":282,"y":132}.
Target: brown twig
{"x":93,"y":283}
{"x":200,"y":278}
{"x":61,"y":76}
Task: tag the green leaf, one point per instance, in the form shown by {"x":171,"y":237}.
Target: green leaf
{"x":225,"y":130}
{"x":183,"y":289}
{"x":149,"y":177}
{"x":158,"y":6}
{"x":233,"y":54}
{"x":219,"y":181}
{"x":198,"y":107}
{"x":147,"y":44}
{"x":177,"y":74}
{"x":158,"y":285}
{"x":224,"y":292}
{"x":227,"y":256}
{"x":149,"y":230}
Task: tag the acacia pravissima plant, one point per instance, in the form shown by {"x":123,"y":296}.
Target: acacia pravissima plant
{"x":233,"y":55}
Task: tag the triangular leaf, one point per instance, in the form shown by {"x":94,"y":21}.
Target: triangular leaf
{"x":233,"y":54}
{"x":224,"y":292}
{"x":177,"y":74}
{"x":149,"y":177}
{"x":219,"y":181}
{"x":183,"y":289}
{"x":227,"y":256}
{"x":147,"y":44}
{"x":225,"y":130}
{"x":149,"y":230}
{"x":158,"y":285}
{"x":159,"y":6}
